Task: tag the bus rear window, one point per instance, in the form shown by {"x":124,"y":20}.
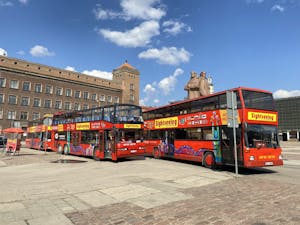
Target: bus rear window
{"x":258,"y":100}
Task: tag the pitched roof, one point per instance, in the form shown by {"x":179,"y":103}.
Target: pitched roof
{"x":126,"y":64}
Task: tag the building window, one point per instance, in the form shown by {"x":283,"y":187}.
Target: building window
{"x":131,"y":87}
{"x":117,"y":99}
{"x":77,"y":94}
{"x":26,"y":86}
{"x":68,"y":92}
{"x":67,"y":105}
{"x":49,"y":89}
{"x":11,"y":115}
{"x":12,"y":99}
{"x":24,"y":116}
{"x":1,"y":114}
{"x":25,"y":101}
{"x":38,"y":88}
{"x":109,"y":98}
{"x":94,"y":97}
{"x":14,"y":84}
{"x":47,"y":103}
{"x":57,"y":105}
{"x":1,"y":98}
{"x":102,"y":98}
{"x":2,"y":82}
{"x":76,"y":106}
{"x":37,"y":102}
{"x":35,"y":116}
{"x":132,"y":98}
{"x":85,"y":106}
{"x":85,"y":95}
{"x":58,"y":91}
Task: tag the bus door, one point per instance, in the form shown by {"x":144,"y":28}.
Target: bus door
{"x":109,"y":144}
{"x":75,"y":138}
{"x":169,"y":142}
{"x":227,"y":145}
{"x":101,"y":143}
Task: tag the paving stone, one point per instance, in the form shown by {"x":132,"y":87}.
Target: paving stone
{"x":96,"y":199}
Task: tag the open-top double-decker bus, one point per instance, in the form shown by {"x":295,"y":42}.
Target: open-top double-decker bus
{"x":197,"y":130}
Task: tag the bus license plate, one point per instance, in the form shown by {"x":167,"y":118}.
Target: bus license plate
{"x":133,"y":151}
{"x":269,"y":163}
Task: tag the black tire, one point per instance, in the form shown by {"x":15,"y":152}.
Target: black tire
{"x":208,"y":160}
{"x":60,"y":150}
{"x":66,"y":150}
{"x":156,"y":153}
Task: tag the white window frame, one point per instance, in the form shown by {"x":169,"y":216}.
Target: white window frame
{"x":14,"y":85}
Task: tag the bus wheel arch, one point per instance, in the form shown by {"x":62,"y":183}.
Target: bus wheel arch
{"x":156,"y":153}
{"x":66,"y":150}
{"x":208,"y":160}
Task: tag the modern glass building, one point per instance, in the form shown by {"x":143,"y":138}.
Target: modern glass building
{"x":289,"y":117}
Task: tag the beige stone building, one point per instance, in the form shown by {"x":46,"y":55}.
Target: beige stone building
{"x":30,"y":90}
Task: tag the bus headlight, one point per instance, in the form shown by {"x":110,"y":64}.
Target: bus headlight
{"x":123,"y":149}
{"x":141,"y":148}
{"x":251,"y":158}
{"x":280,"y":157}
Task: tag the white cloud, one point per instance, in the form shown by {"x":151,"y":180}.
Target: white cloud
{"x":170,"y":56}
{"x":277,"y":8}
{"x":133,"y":9}
{"x":156,"y":91}
{"x":142,"y":9}
{"x":167,"y":85}
{"x":40,"y":51}
{"x":175,"y":27}
{"x":23,"y":1}
{"x":5,"y":3}
{"x":156,"y":101}
{"x":102,"y":14}
{"x":255,"y":1}
{"x":285,"y":94}
{"x":149,"y":88}
{"x":70,"y":68}
{"x":137,"y":37}
{"x":99,"y":73}
{"x":3,"y":52}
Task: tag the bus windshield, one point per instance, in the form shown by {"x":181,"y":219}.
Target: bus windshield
{"x":128,"y":113}
{"x":258,"y":100}
{"x":258,"y":136}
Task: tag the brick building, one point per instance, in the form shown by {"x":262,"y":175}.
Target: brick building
{"x":29,"y":90}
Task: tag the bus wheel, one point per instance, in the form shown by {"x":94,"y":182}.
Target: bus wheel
{"x":208,"y":160}
{"x":156,"y":153}
{"x":95,"y":157}
{"x":66,"y":149}
{"x":60,"y":149}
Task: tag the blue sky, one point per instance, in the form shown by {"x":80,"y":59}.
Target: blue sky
{"x":252,"y":43}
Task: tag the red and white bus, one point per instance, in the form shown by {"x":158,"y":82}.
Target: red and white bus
{"x":38,"y":137}
{"x":111,"y":132}
{"x":197,"y":130}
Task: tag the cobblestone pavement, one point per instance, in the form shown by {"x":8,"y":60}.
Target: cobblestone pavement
{"x":246,"y":200}
{"x":34,"y":192}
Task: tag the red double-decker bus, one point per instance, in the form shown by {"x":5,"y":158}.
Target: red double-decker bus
{"x":197,"y":130}
{"x":111,"y":132}
{"x":38,"y":137}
